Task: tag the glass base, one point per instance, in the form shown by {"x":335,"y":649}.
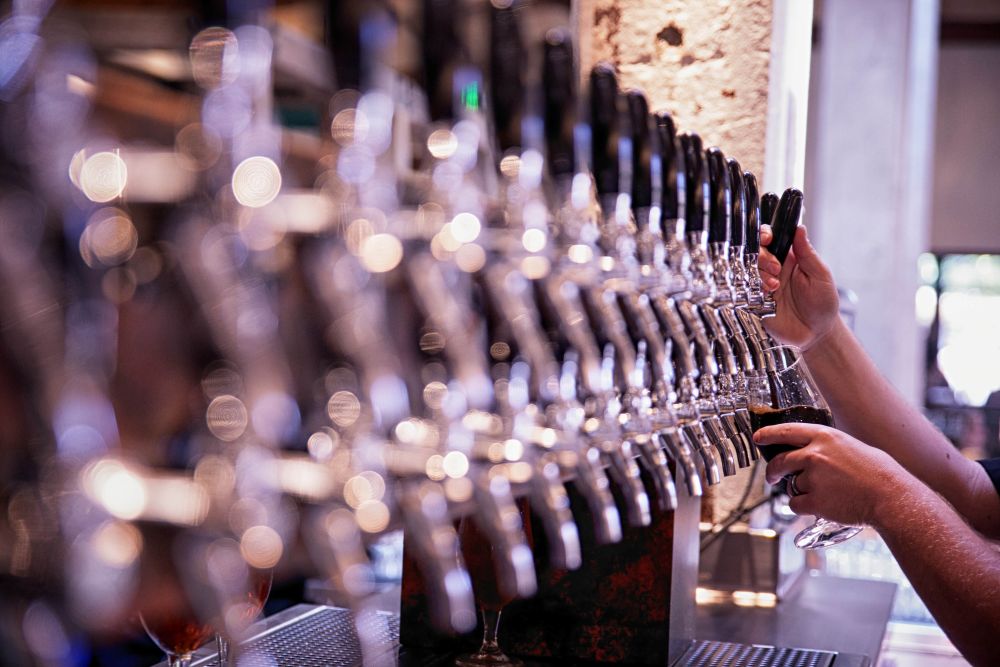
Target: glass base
{"x":483,"y":659}
{"x":825,"y":533}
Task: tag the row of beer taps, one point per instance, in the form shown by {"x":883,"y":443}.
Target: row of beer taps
{"x":560,"y":291}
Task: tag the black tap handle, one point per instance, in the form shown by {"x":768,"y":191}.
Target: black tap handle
{"x":719,"y":219}
{"x":696,"y":182}
{"x":786,"y":221}
{"x":443,"y":53}
{"x":768,"y":205}
{"x":559,"y":84}
{"x":642,"y":151}
{"x":738,"y":209}
{"x":672,"y":170}
{"x":506,"y":67}
{"x":604,"y":124}
{"x":753,"y":216}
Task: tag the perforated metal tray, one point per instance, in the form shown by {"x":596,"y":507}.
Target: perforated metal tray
{"x":311,"y":636}
{"x":725,"y":654}
{"x":308,"y":636}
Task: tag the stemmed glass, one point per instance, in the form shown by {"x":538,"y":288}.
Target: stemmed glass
{"x":477,"y":552}
{"x":788,"y":393}
{"x":177,"y":635}
{"x":259,"y":588}
{"x":180,"y":634}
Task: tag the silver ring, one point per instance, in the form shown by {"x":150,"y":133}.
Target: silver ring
{"x":791,"y":486}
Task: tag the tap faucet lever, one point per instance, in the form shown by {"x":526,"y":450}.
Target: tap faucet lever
{"x":683,"y":456}
{"x":435,"y":542}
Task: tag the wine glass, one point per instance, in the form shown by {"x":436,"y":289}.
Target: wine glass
{"x":177,"y":634}
{"x":477,"y":552}
{"x":257,"y":592}
{"x":788,"y":393}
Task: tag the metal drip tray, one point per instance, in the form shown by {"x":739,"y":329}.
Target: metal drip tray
{"x":310,"y":637}
{"x":726,"y":654}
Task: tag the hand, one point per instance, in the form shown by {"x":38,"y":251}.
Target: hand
{"x":804,"y":291}
{"x":839,"y":477}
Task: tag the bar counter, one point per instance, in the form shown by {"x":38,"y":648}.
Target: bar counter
{"x":827,"y":614}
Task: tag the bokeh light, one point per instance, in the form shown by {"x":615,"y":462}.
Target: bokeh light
{"x":261,"y":547}
{"x":109,"y":238}
{"x":256,"y":181}
{"x":227,"y":417}
{"x":343,"y":408}
{"x":103,"y":177}
{"x":381,"y":252}
{"x":214,"y":55}
{"x":465,"y":227}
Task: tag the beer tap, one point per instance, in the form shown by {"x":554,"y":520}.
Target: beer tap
{"x":768,"y":207}
{"x":533,"y":406}
{"x":509,"y":293}
{"x":684,"y":439}
{"x":742,"y":338}
{"x":702,"y":290}
{"x":751,"y":249}
{"x":354,"y":312}
{"x":748,"y":314}
{"x":673,"y":189}
{"x":557,"y":294}
{"x":784,"y":219}
{"x":652,"y":360}
{"x":495,"y":501}
{"x":717,"y":314}
{"x":612,"y":160}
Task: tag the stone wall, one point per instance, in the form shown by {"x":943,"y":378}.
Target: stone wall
{"x":707,"y":63}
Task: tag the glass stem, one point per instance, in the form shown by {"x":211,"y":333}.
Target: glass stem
{"x":491,"y":625}
{"x":178,"y":660}
{"x":223,"y":650}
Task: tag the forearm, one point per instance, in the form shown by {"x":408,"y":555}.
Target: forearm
{"x":868,"y":407}
{"x":954,"y":569}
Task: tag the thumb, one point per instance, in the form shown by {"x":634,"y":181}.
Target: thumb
{"x":805,"y":254}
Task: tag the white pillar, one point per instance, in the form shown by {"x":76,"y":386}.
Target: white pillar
{"x":869,"y":206}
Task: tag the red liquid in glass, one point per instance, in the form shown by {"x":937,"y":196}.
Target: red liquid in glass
{"x":478,"y":554}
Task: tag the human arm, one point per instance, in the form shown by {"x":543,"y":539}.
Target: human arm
{"x":954,"y":569}
{"x":864,"y":403}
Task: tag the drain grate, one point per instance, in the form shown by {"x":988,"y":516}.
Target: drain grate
{"x":725,"y":654}
{"x":323,"y":637}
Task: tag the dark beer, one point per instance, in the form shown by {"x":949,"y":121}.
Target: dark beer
{"x":478,"y":554}
{"x":764,"y":415}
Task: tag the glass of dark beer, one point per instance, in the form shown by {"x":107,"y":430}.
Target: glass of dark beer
{"x":177,"y":635}
{"x":182,"y":631}
{"x":788,"y":393}
{"x":477,"y":553}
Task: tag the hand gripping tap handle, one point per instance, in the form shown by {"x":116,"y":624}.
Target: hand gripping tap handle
{"x":559,"y":83}
{"x":786,"y":221}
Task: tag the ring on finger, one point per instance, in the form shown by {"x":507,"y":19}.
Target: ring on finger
{"x":792,"y":486}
